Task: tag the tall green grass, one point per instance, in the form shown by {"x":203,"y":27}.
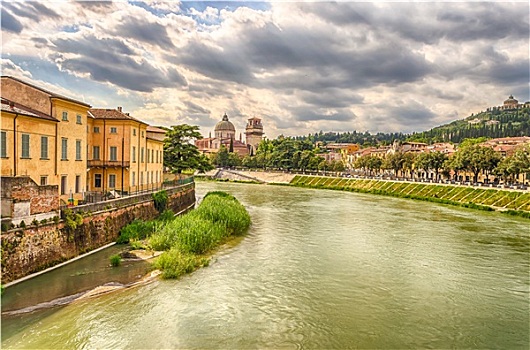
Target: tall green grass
{"x":188,"y":237}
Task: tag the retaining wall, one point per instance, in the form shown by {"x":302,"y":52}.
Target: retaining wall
{"x":29,"y":250}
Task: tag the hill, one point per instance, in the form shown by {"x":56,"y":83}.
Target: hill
{"x":492,"y":123}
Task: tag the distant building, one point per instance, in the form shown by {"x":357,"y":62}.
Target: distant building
{"x":511,"y":103}
{"x":225,"y":135}
{"x":254,"y":134}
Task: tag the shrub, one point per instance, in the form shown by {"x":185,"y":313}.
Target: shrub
{"x":167,"y":215}
{"x":35,"y":223}
{"x":5,"y":226}
{"x":136,"y":230}
{"x":115,"y":260}
{"x":22,"y":224}
{"x":160,"y":199}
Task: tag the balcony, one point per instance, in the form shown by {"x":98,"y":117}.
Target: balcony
{"x":97,"y":163}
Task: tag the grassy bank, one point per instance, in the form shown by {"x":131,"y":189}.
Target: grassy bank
{"x":188,"y":239}
{"x":510,"y":202}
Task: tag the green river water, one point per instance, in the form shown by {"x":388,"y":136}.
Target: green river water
{"x":318,"y":270}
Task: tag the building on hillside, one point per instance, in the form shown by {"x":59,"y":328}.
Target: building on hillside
{"x":125,"y":154}
{"x":506,"y":146}
{"x":44,"y":138}
{"x":511,"y":104}
{"x":225,"y":135}
{"x":442,"y":147}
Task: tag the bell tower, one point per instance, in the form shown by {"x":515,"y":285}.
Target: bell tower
{"x":254,"y":134}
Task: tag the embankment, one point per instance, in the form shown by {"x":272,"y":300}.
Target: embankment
{"x":35,"y":248}
{"x":510,"y":202}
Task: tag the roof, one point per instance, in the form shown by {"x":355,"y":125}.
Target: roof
{"x":155,"y":129}
{"x":114,"y":114}
{"x":16,"y":108}
{"x":52,"y":94}
{"x":225,"y":124}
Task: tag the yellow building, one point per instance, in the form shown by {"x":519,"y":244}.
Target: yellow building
{"x":44,"y":137}
{"x":123,"y":155}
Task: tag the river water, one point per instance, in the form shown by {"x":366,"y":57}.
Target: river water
{"x":320,"y":269}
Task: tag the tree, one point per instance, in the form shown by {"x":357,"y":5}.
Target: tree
{"x":477,"y":158}
{"x":394,"y":161}
{"x":179,"y":151}
{"x":514,"y":165}
{"x":437,"y":161}
{"x":221,"y":158}
{"x":423,"y":162}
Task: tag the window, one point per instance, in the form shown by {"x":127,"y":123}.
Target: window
{"x":97,"y":180}
{"x":25,"y":146}
{"x":134,"y":132}
{"x":96,"y":129}
{"x":64,"y":149}
{"x":3,"y":144}
{"x":142,"y":134}
{"x":113,"y":130}
{"x":113,"y":153}
{"x":44,"y":147}
{"x":65,"y":116}
{"x":134,"y":154}
{"x":78,"y":119}
{"x":64,"y":181}
{"x":152,"y":156}
{"x":141,"y":177}
{"x":157,"y":156}
{"x":134,"y":178}
{"x":77,"y":149}
{"x":77,"y":183}
{"x":43,"y":180}
{"x":112,"y":181}
{"x":148,"y":155}
{"x":142,"y":155}
{"x":95,"y":152}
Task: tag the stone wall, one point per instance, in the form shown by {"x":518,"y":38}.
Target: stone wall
{"x":22,"y":198}
{"x":36,"y":248}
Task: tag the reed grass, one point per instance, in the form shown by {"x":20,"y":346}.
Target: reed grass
{"x":186,"y":238}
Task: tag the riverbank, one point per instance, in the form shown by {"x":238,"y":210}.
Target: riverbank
{"x":508,"y":202}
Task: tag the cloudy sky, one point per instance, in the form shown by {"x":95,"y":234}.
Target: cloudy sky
{"x":300,"y":66}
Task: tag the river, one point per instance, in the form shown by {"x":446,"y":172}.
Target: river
{"x":320,"y":269}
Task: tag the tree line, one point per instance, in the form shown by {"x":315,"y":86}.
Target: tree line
{"x":470,"y":157}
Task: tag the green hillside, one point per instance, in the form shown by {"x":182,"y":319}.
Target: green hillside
{"x":510,"y":123}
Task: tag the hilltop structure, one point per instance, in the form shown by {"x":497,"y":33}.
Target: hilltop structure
{"x":225,"y":135}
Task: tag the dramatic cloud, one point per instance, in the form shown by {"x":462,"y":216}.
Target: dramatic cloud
{"x":300,"y":66}
{"x":10,"y":23}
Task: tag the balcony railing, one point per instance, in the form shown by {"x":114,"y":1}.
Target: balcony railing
{"x":108,"y":163}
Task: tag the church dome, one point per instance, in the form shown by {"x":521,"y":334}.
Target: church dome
{"x":511,"y":101}
{"x":225,"y":125}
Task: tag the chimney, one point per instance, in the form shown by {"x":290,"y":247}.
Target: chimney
{"x":119,"y":109}
{"x":11,"y":104}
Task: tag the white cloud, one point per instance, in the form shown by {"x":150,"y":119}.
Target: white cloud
{"x":302,"y":67}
